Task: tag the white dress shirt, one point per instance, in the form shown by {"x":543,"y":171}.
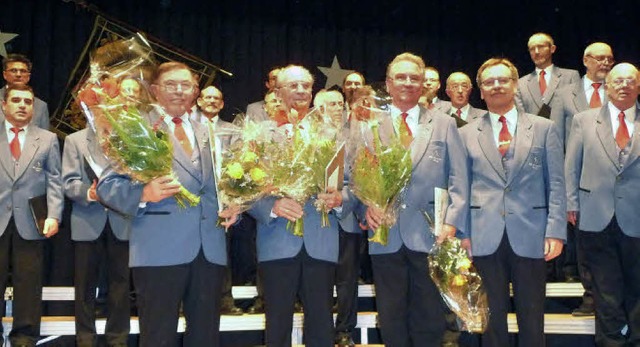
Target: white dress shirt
{"x":512,"y":120}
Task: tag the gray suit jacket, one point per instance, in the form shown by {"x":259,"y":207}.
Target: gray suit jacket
{"x":437,"y":156}
{"x":37,"y":173}
{"x":162,"y":233}
{"x":528,"y":97}
{"x":40,"y":112}
{"x":597,"y":185}
{"x":572,"y":100}
{"x":88,"y":218}
{"x":530,"y":204}
{"x":256,"y":112}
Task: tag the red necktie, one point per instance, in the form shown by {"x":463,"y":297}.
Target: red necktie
{"x":15,"y":144}
{"x":595,"y":97}
{"x":404,"y":122}
{"x":181,"y":135}
{"x":504,"y":138}
{"x":543,"y":82}
{"x":459,"y":113}
{"x":622,"y":135}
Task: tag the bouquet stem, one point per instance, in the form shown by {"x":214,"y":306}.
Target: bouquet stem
{"x":325,"y":219}
{"x":297,"y":227}
{"x":380,"y":235}
{"x":185,"y":198}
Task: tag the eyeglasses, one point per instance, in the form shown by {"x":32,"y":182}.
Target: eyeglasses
{"x":412,"y":79}
{"x":18,"y":71}
{"x":502,"y":81}
{"x":603,"y":60}
{"x":619,"y":82}
{"x":293,"y":86}
{"x":539,"y":47}
{"x":172,"y":87}
{"x":456,"y":86}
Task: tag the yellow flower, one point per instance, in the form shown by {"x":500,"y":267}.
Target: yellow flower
{"x":235,"y":171}
{"x":464,"y":264}
{"x":257,"y":175}
{"x":248,"y":157}
{"x":459,"y":280}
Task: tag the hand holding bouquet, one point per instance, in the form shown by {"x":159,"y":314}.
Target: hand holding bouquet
{"x":380,"y":171}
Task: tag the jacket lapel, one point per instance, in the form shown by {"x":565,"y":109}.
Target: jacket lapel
{"x":579,"y":97}
{"x":421,"y":137}
{"x":488,"y":145}
{"x":524,"y":134}
{"x":5,"y":153}
{"x":605,"y":135}
{"x":534,"y":88}
{"x":556,"y":74}
{"x":31,"y":144}
{"x":635,"y":138}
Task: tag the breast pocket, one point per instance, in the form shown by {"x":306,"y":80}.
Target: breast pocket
{"x":536,"y":158}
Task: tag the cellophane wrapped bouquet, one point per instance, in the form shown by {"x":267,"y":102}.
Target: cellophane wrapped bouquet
{"x":459,"y":283}
{"x":382,"y":165}
{"x":240,"y":157}
{"x":114,"y":98}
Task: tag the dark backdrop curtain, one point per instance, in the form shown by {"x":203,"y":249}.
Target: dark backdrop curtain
{"x":249,"y":37}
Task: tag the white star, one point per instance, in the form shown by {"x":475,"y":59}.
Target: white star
{"x":335,"y":75}
{"x":4,"y":38}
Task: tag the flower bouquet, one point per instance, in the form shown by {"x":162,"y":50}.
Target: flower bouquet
{"x":458,"y":281}
{"x":380,"y":170}
{"x":130,"y":143}
{"x":241,"y":174}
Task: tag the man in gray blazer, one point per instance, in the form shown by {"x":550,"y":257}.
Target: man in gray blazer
{"x":517,"y":204}
{"x":603,"y":181}
{"x":177,"y":255}
{"x":101,"y":236}
{"x":588,"y":93}
{"x":30,"y":160}
{"x":411,"y":311}
{"x":431,"y":86}
{"x":256,"y":111}
{"x":459,"y":89}
{"x":292,"y":264}
{"x":16,"y":70}
{"x":536,"y":91}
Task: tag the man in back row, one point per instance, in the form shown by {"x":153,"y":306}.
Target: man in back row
{"x":16,"y":70}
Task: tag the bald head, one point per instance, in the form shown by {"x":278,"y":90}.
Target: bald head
{"x":622,"y":85}
{"x":458,"y":89}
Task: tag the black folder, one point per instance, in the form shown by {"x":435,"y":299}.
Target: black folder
{"x":38,"y":206}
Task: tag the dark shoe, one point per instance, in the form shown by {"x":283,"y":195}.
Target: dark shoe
{"x":231,"y":310}
{"x":297,"y":307}
{"x":343,"y":339}
{"x":257,"y":307}
{"x":584,"y":311}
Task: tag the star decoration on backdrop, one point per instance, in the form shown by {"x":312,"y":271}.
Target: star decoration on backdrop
{"x":4,"y":38}
{"x":335,"y":74}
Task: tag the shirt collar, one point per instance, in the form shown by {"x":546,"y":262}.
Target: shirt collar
{"x":464,"y":109}
{"x":511,"y":116}
{"x":8,"y":126}
{"x":547,"y":70}
{"x":629,"y":114}
{"x":588,"y":83}
{"x":412,"y":113}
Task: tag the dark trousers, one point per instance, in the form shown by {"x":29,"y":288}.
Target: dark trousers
{"x":347,"y":281}
{"x":614,"y":261}
{"x":583,"y":269}
{"x":161,"y":289}
{"x":114,"y":254}
{"x":23,"y":258}
{"x":527,"y":276}
{"x":410,"y":309}
{"x":312,"y":280}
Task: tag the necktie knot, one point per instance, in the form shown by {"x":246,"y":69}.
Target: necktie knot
{"x":404,"y":116}
{"x":621,"y":117}
{"x":177,"y":120}
{"x":459,"y":113}
{"x":542,"y":73}
{"x":16,"y":130}
{"x":503,"y":120}
{"x":595,"y":97}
